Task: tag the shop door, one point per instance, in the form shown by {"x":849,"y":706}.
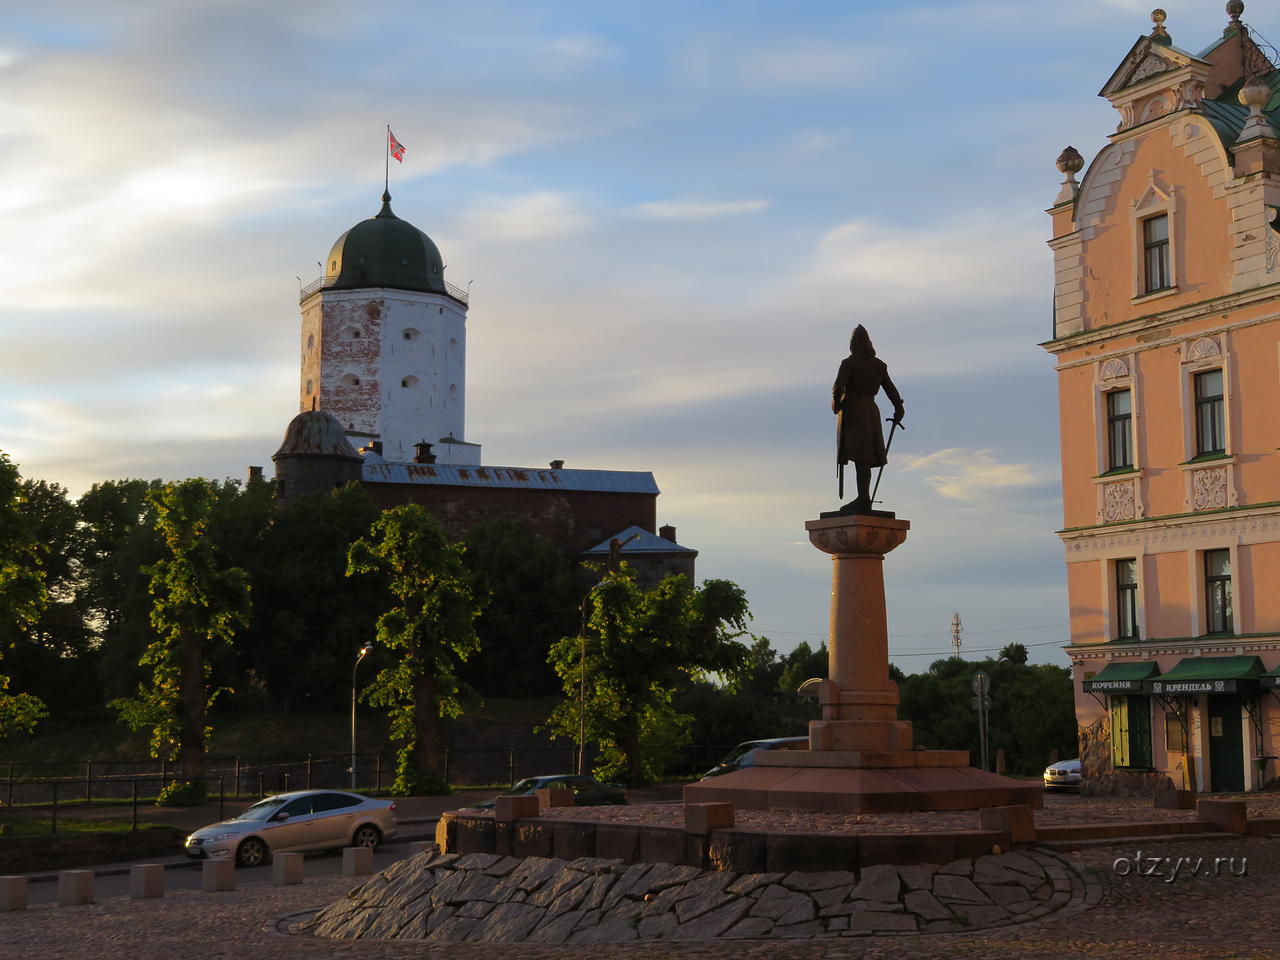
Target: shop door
{"x":1226,"y":744}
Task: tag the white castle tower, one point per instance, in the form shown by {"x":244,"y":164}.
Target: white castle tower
{"x":384,"y":342}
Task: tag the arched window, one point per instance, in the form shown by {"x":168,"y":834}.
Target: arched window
{"x":411,"y":334}
{"x":453,"y":391}
{"x":409,"y":382}
{"x":453,"y":344}
{"x":353,"y":333}
{"x":309,"y":386}
{"x":311,"y":341}
{"x":350,"y":380}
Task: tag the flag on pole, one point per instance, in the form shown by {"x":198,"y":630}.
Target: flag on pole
{"x":395,"y":146}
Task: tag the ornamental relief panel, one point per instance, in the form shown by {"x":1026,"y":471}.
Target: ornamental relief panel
{"x":1114,"y":369}
{"x":1209,"y":488}
{"x":1206,"y":348}
{"x":1119,"y":502}
{"x":1164,"y":539}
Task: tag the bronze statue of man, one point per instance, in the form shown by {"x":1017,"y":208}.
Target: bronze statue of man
{"x":859,"y":436}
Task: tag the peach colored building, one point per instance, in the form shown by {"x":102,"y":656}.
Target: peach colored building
{"x":1166,"y":333}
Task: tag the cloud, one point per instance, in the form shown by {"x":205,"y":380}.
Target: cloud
{"x":697,"y":209}
{"x":813,"y":63}
{"x":969,"y":475}
{"x":530,"y":216}
{"x":964,"y":258}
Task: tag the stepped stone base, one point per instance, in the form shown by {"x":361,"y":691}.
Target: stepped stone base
{"x":889,"y":788}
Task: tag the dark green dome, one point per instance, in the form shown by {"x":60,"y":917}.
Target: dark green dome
{"x":385,"y":251}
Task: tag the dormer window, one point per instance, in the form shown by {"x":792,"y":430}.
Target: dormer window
{"x":1155,"y":250}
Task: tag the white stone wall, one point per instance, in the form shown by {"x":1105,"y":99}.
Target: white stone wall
{"x":389,"y":362}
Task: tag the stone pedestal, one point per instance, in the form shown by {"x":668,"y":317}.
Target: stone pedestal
{"x":861,"y":757}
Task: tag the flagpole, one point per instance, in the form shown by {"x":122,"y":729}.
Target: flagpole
{"x":386,"y":162}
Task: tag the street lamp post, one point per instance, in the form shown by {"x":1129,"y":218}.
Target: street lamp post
{"x":364,"y":652}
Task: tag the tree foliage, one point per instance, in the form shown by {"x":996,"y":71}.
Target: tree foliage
{"x":198,"y":603}
{"x":639,"y":646}
{"x":533,"y":602}
{"x":428,"y":629}
{"x":1032,"y":709}
{"x":23,"y":592}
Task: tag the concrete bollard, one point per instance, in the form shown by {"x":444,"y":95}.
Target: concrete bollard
{"x":13,"y":893}
{"x":357,"y":861}
{"x":75,"y":888}
{"x":418,"y":847}
{"x":1017,"y":820}
{"x":554,"y":797}
{"x":516,"y":808}
{"x":146,"y":881}
{"x":286,"y":868}
{"x":217,"y":875}
{"x":702,"y":818}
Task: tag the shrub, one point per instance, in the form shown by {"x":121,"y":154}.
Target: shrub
{"x":183,"y":793}
{"x":412,"y":784}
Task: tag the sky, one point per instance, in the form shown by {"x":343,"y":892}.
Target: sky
{"x":671,"y":216}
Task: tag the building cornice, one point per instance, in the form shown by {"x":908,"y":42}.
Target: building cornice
{"x":1156,"y":322}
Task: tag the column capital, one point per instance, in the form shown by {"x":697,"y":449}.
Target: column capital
{"x":857,"y":534}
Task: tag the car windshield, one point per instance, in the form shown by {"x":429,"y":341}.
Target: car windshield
{"x":738,"y":752}
{"x":261,"y":810}
{"x":522,"y":787}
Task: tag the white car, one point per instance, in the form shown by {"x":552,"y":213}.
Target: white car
{"x":301,"y":820}
{"x":1062,"y":775}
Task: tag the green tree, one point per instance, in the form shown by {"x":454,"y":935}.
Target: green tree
{"x":23,"y":592}
{"x":429,"y":628}
{"x":533,"y":603}
{"x":54,"y":654}
{"x":641,"y":644}
{"x":309,"y":617}
{"x":198,"y":603}
{"x":119,"y":542}
{"x":1014,"y":653}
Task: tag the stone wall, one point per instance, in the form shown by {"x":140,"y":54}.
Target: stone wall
{"x":28,"y":854}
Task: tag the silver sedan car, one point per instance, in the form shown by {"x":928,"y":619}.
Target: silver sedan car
{"x":301,"y":820}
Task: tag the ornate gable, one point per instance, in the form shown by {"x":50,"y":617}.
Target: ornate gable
{"x":1147,"y":58}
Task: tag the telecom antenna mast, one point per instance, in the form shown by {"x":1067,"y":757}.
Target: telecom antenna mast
{"x":956,"y":628}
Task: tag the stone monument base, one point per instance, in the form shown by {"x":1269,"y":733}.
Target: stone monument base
{"x":859,"y":781}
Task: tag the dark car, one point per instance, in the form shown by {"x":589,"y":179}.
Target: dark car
{"x":587,"y":791}
{"x":744,"y":754}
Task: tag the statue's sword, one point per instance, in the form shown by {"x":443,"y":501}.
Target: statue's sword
{"x":888,"y":443}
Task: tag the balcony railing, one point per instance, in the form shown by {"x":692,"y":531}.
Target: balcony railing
{"x":456,"y":292}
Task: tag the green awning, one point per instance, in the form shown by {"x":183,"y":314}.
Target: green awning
{"x":1120,"y":677}
{"x":1272,"y":677}
{"x":1208,"y":675}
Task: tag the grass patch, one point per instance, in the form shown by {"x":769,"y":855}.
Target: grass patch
{"x":71,"y":825}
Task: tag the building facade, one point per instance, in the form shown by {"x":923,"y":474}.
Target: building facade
{"x":1166,"y":336}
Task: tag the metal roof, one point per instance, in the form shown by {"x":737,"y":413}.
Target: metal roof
{"x":377,"y":470}
{"x":644,"y":542}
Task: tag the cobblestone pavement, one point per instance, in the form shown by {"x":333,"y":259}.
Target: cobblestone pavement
{"x":1202,"y":918}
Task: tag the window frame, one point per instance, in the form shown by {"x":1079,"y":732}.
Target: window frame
{"x":1158,"y":201}
{"x":1161,"y":250}
{"x":1216,"y":406}
{"x":1119,"y":427}
{"x":1126,"y":599}
{"x":1220,"y":585}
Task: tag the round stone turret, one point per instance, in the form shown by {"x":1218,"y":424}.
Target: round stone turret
{"x":315,"y":455}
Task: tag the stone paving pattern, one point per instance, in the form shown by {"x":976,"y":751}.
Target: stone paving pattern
{"x":486,"y":897}
{"x":1229,"y":918}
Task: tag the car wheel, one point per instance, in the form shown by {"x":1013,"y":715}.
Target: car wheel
{"x":251,"y":853}
{"x":366,"y":835}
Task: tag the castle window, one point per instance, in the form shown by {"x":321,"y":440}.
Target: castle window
{"x":409,"y":382}
{"x":311,"y":341}
{"x":350,"y":380}
{"x":1155,"y":249}
{"x":453,"y":391}
{"x":309,"y":386}
{"x":411,"y":334}
{"x":353,"y":333}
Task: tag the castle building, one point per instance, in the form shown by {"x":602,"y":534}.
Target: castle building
{"x":384,"y":367}
{"x":384,"y":341}
{"x":1166,"y":336}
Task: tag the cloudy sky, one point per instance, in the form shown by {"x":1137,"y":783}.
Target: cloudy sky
{"x":671,"y":214}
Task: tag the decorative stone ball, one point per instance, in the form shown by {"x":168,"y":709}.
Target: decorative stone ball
{"x":1070,"y":162}
{"x":1234,"y":9}
{"x":1255,"y":94}
{"x":1158,"y":16}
